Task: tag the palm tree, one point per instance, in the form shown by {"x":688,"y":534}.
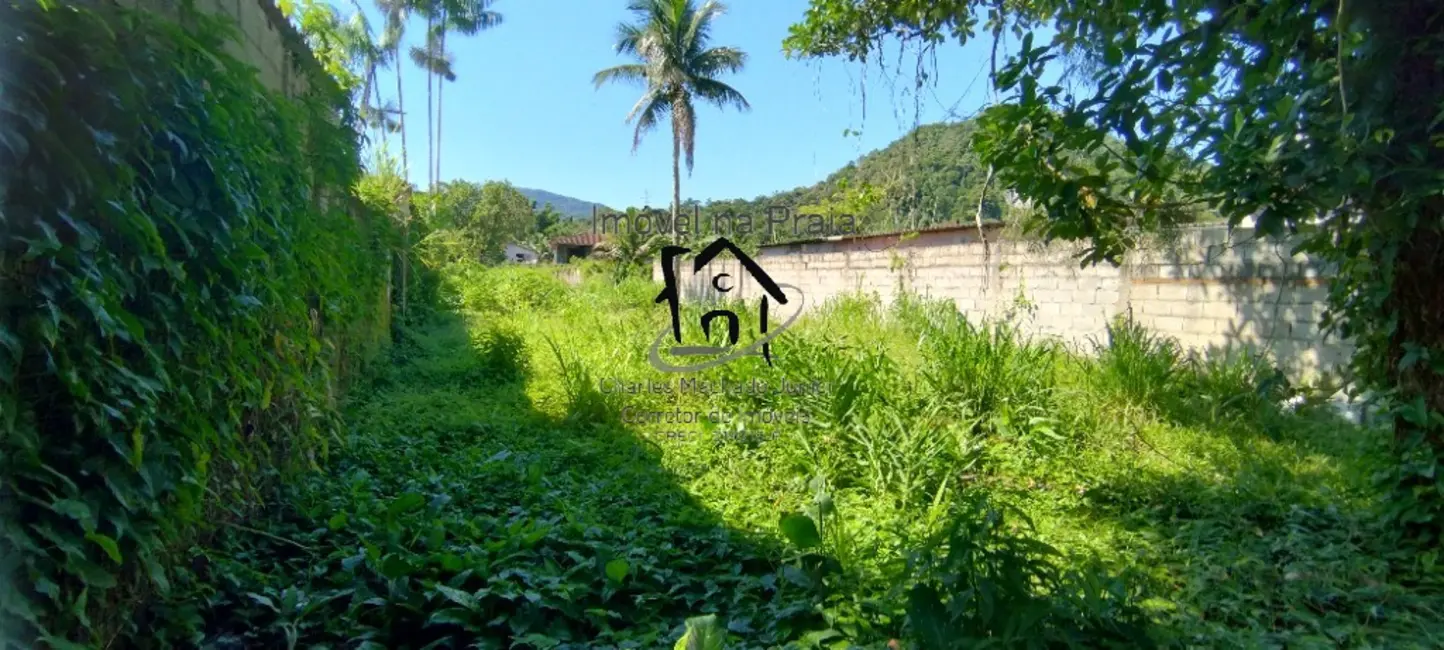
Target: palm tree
{"x":465,"y":17}
{"x":437,"y":65}
{"x":395,"y":14}
{"x":669,"y":41}
{"x":371,"y":56}
{"x":628,"y":246}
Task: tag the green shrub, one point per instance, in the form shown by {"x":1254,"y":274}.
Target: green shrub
{"x":1236,"y":382}
{"x":983,"y":583}
{"x":182,"y":283}
{"x":994,"y":370}
{"x":472,"y":286}
{"x":1139,"y":364}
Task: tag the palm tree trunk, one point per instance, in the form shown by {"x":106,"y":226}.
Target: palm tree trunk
{"x":366,"y":112}
{"x":406,"y":201}
{"x":380,"y":110}
{"x":440,"y":86}
{"x":676,"y":176}
{"x":430,"y":140}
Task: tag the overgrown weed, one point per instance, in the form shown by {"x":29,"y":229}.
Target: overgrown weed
{"x":959,"y":481}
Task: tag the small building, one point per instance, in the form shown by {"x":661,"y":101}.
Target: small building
{"x":570,"y":246}
{"x":518,"y":254}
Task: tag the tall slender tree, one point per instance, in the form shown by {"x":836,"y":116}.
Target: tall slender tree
{"x":669,"y":41}
{"x":465,"y":17}
{"x":437,"y":65}
{"x":395,"y":14}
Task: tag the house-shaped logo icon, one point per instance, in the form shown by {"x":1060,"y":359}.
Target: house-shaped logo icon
{"x":723,"y":284}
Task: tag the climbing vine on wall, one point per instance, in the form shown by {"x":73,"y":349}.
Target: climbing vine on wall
{"x":184,"y":282}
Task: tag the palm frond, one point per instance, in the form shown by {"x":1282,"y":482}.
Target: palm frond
{"x":699,"y":26}
{"x":628,"y":36}
{"x":470,"y":16}
{"x":719,"y":94}
{"x":718,"y":61}
{"x":648,"y":113}
{"x":630,"y":72}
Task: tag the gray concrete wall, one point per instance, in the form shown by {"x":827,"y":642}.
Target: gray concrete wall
{"x":267,"y":40}
{"x":1212,"y":290}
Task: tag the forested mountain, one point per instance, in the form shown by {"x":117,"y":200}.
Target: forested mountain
{"x":928,"y":177}
{"x":569,"y":207}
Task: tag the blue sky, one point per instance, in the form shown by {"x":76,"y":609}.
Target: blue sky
{"x":524,"y":109}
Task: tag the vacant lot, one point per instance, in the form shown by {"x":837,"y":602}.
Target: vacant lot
{"x":521,"y":477}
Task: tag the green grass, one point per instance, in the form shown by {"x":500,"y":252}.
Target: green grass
{"x":959,"y":484}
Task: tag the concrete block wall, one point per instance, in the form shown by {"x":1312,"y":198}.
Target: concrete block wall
{"x":267,"y":40}
{"x":1211,"y":290}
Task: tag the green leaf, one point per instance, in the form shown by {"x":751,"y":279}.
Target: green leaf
{"x":436,"y":539}
{"x":264,"y":600}
{"x":540,"y":641}
{"x":76,"y":510}
{"x":703,"y":633}
{"x":800,"y":530}
{"x":90,"y":573}
{"x":157,"y":575}
{"x":336,"y":521}
{"x":405,"y":503}
{"x":137,"y":447}
{"x":394,"y":566}
{"x":451,"y":616}
{"x":107,"y":544}
{"x":457,"y":596}
{"x":617,"y":570}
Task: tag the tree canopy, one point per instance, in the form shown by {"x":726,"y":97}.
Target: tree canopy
{"x":476,"y":221}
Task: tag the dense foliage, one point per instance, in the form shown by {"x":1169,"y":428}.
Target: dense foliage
{"x":957,"y":483}
{"x":473,"y":221}
{"x":186,"y":286}
{"x":1318,"y":117}
{"x":929,"y":177}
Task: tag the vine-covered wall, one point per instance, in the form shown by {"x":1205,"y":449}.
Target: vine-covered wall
{"x":185,"y":282}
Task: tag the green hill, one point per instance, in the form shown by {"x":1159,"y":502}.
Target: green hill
{"x":926,"y":178}
{"x":570,"y":207}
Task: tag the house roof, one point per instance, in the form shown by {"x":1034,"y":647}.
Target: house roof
{"x":584,"y":239}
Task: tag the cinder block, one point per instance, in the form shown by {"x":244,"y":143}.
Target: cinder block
{"x":1170,"y":324}
{"x":1201,"y":326}
{"x":1191,"y":310}
{"x":1219,"y":310}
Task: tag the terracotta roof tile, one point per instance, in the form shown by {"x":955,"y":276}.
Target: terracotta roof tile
{"x":584,"y":239}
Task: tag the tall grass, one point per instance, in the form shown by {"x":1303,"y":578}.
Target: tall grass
{"x":969,"y":485}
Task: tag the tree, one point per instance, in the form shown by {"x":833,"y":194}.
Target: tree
{"x":629,"y":247}
{"x":395,"y":14}
{"x":346,"y":49}
{"x":437,"y":65}
{"x":546,"y":217}
{"x":1316,"y":118}
{"x":383,"y":189}
{"x":465,"y":17}
{"x":477,"y":221}
{"x":669,"y":42}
